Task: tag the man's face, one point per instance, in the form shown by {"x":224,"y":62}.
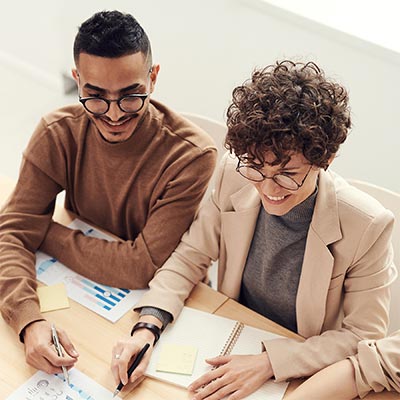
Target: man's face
{"x":111,"y":79}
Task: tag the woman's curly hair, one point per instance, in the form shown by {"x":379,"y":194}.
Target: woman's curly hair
{"x":288,"y":108}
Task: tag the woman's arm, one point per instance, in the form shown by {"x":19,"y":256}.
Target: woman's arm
{"x":336,"y":382}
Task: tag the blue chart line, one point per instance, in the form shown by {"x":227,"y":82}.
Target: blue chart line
{"x":77,"y":389}
{"x":45,"y":265}
{"x":104,"y":297}
{"x":116,"y":291}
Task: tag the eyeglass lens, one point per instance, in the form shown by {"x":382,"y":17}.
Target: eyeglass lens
{"x":256,"y":176}
{"x":127,"y":104}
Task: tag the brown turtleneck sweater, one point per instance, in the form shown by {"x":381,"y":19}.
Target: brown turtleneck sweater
{"x":145,"y":191}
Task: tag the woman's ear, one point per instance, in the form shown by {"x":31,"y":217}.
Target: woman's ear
{"x":331,"y":158}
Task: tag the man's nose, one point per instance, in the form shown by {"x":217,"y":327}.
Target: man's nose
{"x":114,"y":112}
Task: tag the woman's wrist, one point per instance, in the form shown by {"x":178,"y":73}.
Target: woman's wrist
{"x":148,"y":326}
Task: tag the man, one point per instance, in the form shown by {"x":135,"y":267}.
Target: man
{"x":128,"y":165}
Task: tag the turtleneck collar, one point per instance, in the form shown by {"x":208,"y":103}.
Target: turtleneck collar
{"x":303,"y":212}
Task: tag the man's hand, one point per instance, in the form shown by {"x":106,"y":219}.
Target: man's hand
{"x":40,"y":352}
{"x":234,"y":376}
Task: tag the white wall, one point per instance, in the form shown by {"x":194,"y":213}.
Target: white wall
{"x":206,"y":48}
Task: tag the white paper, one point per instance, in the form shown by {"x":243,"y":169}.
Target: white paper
{"x":109,"y":302}
{"x":42,"y":386}
{"x":208,"y":333}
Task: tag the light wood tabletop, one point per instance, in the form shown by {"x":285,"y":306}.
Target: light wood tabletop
{"x":94,"y":337}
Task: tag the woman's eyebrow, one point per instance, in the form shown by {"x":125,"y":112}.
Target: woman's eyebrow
{"x":291,"y":168}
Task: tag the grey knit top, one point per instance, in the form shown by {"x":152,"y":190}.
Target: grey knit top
{"x":273,"y":267}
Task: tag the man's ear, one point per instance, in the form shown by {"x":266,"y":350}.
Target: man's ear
{"x":75,"y":75}
{"x":153,"y":76}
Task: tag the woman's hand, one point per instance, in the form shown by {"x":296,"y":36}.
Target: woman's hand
{"x":234,"y":376}
{"x":126,"y":349}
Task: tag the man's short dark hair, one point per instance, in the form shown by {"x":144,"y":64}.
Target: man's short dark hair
{"x":288,"y":108}
{"x":111,"y":34}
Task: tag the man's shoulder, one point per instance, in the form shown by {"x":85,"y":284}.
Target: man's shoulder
{"x":65,"y":115}
{"x":179,"y":128}
{"x":64,"y":125}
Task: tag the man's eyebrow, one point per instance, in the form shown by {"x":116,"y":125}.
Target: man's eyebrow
{"x":93,"y":87}
{"x":134,"y":86}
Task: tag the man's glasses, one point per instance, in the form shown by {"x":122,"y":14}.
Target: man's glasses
{"x":130,"y":103}
{"x":281,"y":179}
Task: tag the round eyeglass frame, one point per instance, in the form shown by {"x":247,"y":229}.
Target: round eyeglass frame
{"x":263,"y":177}
{"x":143,"y":97}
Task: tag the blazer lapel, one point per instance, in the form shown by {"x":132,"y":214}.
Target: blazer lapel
{"x":318,"y":261}
{"x":238,"y":229}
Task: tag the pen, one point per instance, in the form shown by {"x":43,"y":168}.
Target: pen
{"x":132,"y":367}
{"x":59,"y":351}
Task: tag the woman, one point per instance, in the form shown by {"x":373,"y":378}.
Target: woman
{"x":295,"y":242}
{"x":375,"y":367}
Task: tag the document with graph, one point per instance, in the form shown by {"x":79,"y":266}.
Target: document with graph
{"x":111,"y":303}
{"x":42,"y":386}
{"x":197,"y":335}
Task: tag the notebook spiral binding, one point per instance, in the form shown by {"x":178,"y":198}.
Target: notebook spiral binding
{"x":232,"y":339}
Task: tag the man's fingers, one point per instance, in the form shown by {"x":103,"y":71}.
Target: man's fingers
{"x":40,"y":362}
{"x":67,"y":344}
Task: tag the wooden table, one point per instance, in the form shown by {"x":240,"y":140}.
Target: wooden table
{"x":94,"y":338}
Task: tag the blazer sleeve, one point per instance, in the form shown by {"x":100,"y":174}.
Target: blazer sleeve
{"x":366,"y":299}
{"x":377,"y":365}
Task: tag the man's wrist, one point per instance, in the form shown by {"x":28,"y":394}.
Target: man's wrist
{"x":23,"y":330}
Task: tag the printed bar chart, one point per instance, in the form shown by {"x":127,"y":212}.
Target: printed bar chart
{"x":109,"y":302}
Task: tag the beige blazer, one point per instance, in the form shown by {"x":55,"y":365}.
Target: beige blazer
{"x":343,"y":293}
{"x":377,"y":365}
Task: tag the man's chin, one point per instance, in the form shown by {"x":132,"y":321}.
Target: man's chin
{"x":115,"y":137}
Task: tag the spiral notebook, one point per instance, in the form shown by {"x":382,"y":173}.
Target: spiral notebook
{"x":211,"y":335}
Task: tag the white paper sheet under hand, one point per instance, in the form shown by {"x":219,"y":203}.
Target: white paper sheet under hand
{"x":109,"y":302}
{"x":44,"y":386}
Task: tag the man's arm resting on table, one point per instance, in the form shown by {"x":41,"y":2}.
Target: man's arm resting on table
{"x":132,"y":263}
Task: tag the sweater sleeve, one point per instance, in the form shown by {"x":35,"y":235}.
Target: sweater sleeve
{"x":132,"y":263}
{"x":24,"y":221}
{"x":365,"y":306}
{"x":377,"y":364}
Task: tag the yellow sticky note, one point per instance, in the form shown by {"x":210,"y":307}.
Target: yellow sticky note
{"x":177,"y":359}
{"x":52,"y":297}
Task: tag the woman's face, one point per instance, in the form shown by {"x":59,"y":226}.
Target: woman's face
{"x":277,"y":200}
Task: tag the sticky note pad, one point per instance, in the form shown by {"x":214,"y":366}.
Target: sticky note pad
{"x":52,"y":297}
{"x":177,"y":359}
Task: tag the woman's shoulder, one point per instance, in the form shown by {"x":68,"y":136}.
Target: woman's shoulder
{"x":350,"y":199}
